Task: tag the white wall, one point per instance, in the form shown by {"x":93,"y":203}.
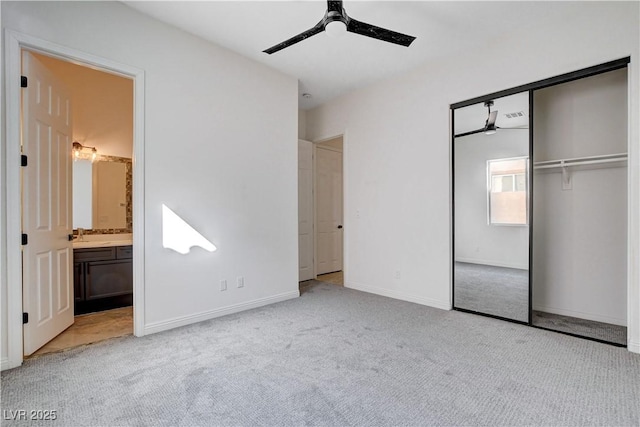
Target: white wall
{"x":334,"y":143}
{"x":397,"y":160}
{"x":4,"y":339}
{"x":302,"y":124}
{"x":220,"y":150}
{"x":306,"y":236}
{"x":477,"y":241}
{"x":580,"y":235}
{"x":102,"y":107}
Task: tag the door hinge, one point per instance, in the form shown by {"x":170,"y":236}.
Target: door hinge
{"x":25,"y":239}
{"x":23,"y":160}
{"x":25,"y":318}
{"x":23,"y":81}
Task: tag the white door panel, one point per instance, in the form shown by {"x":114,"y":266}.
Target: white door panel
{"x":46,"y":210}
{"x":305,"y":210}
{"x":329,"y":210}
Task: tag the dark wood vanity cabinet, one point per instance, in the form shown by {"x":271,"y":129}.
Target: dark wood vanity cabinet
{"x":78,"y":280}
{"x":103,"y":278}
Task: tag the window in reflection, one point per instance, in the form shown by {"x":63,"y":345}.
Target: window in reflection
{"x":507,"y":180}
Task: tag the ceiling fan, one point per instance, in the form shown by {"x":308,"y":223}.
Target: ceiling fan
{"x":336,"y":21}
{"x":490,"y":125}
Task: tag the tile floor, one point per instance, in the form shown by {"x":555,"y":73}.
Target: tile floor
{"x":91,"y":328}
{"x":335,"y":278}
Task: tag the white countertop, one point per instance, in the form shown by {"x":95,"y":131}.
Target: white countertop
{"x":103,"y":241}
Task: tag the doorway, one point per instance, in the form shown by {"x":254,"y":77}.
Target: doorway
{"x":16,"y":43}
{"x":320,"y":211}
{"x":97,"y":185}
{"x":329,"y":206}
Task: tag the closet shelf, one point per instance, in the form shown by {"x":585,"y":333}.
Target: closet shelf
{"x":579,"y":161}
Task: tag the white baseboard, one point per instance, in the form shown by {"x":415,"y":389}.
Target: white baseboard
{"x":581,"y":315}
{"x":493,"y":263}
{"x":404,"y":296}
{"x":5,"y":364}
{"x":633,"y":347}
{"x":177,"y":322}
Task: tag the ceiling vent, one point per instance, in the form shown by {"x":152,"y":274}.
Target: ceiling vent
{"x":514,"y":115}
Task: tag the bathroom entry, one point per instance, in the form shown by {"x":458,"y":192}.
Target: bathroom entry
{"x":78,"y":257}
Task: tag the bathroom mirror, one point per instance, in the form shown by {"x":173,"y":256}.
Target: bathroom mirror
{"x":101,"y":198}
{"x":491,"y":207}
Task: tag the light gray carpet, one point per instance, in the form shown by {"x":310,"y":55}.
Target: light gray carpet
{"x":586,"y":328}
{"x":335,"y":356}
{"x":492,"y":290}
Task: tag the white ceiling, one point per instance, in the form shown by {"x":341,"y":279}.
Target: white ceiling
{"x":328,"y":67}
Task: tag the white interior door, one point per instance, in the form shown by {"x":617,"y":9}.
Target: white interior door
{"x":305,"y":210}
{"x":329,"y":209}
{"x":46,"y":206}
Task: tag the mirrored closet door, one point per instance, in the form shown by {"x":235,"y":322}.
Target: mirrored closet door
{"x":491,"y":207}
{"x":540,"y":203}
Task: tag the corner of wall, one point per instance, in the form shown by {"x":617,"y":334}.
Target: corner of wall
{"x":302,"y":124}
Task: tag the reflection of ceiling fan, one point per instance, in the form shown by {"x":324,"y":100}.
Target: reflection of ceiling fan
{"x":490,"y":126}
{"x":336,"y":21}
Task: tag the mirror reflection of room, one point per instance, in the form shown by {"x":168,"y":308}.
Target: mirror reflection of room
{"x":101,"y":198}
{"x":491,"y":195}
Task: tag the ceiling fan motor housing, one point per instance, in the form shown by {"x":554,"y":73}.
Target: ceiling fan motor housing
{"x":332,"y":16}
{"x":336,"y":22}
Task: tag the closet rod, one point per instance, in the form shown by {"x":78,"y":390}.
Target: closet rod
{"x":577,"y":161}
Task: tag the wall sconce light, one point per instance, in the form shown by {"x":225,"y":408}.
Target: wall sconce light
{"x":84,"y":152}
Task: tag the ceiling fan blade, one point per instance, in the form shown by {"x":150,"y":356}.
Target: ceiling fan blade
{"x":473,"y":132}
{"x":383,"y":34}
{"x":334,"y":6}
{"x":318,"y":28}
{"x":491,"y":121}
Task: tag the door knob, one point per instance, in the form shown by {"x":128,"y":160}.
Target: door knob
{"x":339,"y":226}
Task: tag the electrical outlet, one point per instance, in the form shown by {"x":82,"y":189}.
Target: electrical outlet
{"x":241,"y":282}
{"x":223,"y":285}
